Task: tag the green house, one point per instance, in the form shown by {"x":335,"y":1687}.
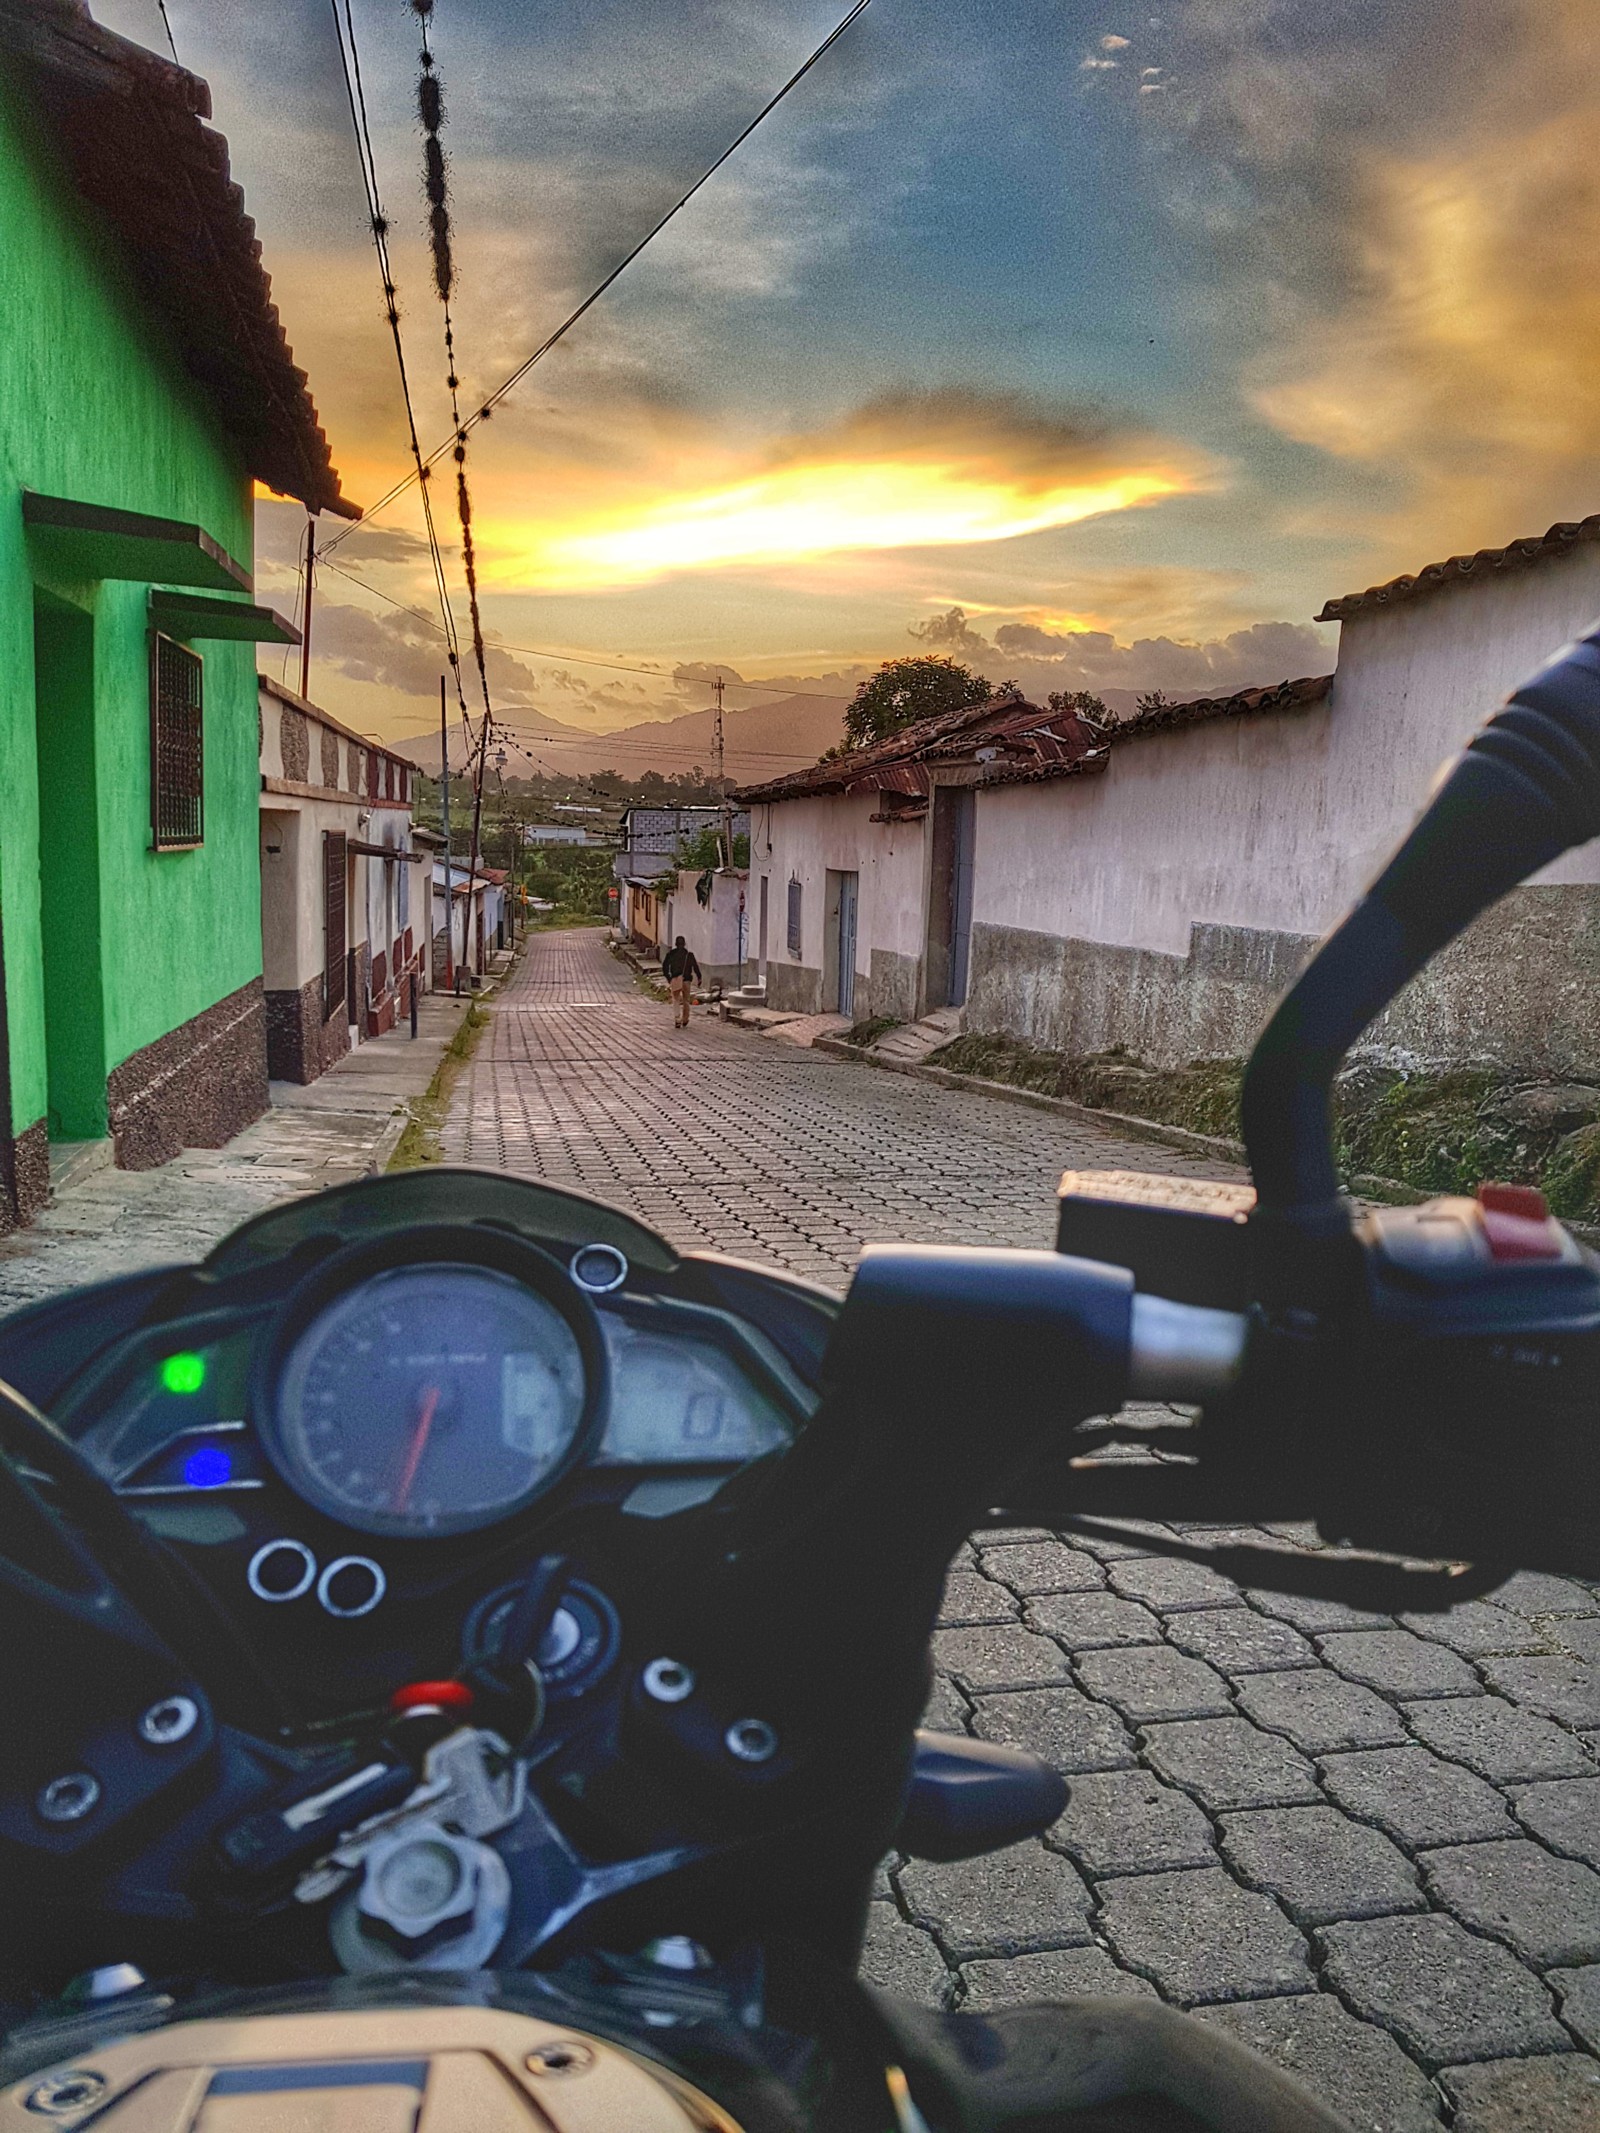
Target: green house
{"x":145,"y":387}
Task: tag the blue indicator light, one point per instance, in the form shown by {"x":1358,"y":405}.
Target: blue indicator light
{"x":208,"y":1468}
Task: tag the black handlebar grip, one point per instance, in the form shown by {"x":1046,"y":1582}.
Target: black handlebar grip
{"x":1524,"y":790}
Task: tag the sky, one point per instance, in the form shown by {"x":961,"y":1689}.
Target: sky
{"x":1095,"y":344}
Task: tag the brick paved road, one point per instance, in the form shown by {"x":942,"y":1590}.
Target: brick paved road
{"x":1368,"y":1846}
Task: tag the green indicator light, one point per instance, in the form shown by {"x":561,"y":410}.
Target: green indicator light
{"x":183,"y":1373}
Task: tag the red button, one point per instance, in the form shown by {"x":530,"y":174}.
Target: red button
{"x":444,"y":1695}
{"x":1517,"y":1224}
{"x":1525,"y":1200}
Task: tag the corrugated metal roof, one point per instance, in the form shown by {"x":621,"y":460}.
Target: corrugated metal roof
{"x":1560,"y":540}
{"x":1196,"y":711}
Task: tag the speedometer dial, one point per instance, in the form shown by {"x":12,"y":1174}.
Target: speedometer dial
{"x":430,"y":1399}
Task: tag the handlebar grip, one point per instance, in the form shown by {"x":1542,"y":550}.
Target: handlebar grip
{"x":1524,"y":790}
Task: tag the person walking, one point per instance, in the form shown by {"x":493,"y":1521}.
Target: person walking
{"x":680,"y":970}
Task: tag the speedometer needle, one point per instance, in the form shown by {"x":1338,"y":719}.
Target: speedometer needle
{"x":418,"y":1445}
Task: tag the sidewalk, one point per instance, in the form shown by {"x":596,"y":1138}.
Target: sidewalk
{"x":104,"y":1221}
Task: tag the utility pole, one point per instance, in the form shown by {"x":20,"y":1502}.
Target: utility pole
{"x":305,"y":626}
{"x":477,"y":822}
{"x":722,"y":782}
{"x":449,"y":885}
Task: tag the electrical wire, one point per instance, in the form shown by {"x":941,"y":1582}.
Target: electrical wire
{"x":419,"y":472}
{"x":581,"y":659}
{"x":350,"y":64}
{"x":167,"y":26}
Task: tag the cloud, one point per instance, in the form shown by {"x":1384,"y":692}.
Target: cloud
{"x":1041,"y":660}
{"x":906,"y":471}
{"x":1408,"y":203}
{"x":1115,"y":44}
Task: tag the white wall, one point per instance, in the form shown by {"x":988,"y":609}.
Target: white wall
{"x":811,"y":836}
{"x":1279,"y":822}
{"x":710,"y":931}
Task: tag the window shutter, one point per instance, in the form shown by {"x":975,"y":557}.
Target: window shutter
{"x":177,"y":760}
{"x":794,"y":914}
{"x":333,"y":923}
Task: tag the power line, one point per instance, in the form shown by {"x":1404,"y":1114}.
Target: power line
{"x":167,"y":26}
{"x":350,"y":65}
{"x":579,"y":659}
{"x":419,"y":473}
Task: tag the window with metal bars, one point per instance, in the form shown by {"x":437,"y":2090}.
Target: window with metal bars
{"x":794,"y":915}
{"x":177,"y":752}
{"x":333,"y":923}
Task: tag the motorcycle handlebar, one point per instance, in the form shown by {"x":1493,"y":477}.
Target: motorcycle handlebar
{"x":1524,"y":790}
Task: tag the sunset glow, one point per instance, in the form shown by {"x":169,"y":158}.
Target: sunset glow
{"x":795,"y":512}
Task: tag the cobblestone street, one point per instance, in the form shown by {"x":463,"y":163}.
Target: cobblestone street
{"x":1368,"y":1846}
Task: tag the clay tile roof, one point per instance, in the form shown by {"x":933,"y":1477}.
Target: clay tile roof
{"x":1010,"y":726}
{"x":1560,"y":540}
{"x":128,"y":126}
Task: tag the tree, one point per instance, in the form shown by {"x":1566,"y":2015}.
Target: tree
{"x":904,"y":691}
{"x":1152,"y":701}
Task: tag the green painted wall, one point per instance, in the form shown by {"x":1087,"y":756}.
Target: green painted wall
{"x":95,"y":405}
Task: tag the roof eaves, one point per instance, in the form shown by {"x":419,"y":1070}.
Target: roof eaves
{"x":1560,"y":540}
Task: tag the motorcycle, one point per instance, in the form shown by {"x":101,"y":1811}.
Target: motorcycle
{"x":464,"y":1658}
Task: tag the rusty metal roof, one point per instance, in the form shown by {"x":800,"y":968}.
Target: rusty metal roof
{"x":1196,"y":711}
{"x":1560,"y":540}
{"x":1009,"y":726}
{"x":128,"y":127}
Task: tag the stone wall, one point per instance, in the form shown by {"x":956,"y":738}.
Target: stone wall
{"x":196,"y":1087}
{"x":1519,"y":991}
{"x":300,"y":1044}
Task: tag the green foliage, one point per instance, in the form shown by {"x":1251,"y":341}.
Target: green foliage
{"x":573,"y":877}
{"x":1084,"y":702}
{"x":868,"y":1032}
{"x":906,"y":690}
{"x":704,"y":849}
{"x":1153,"y":700}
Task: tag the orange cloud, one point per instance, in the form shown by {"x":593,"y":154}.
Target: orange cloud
{"x":911,"y":472}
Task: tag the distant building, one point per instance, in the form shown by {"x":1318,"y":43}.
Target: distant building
{"x":651,"y":840}
{"x":567,"y":833}
{"x":340,"y":917}
{"x":145,"y":388}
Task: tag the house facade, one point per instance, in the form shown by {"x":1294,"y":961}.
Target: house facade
{"x":1162,"y":890}
{"x":644,"y":869}
{"x":342,"y":917}
{"x":145,"y":386}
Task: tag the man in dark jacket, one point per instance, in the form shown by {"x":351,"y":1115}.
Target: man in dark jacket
{"x":680,"y":970}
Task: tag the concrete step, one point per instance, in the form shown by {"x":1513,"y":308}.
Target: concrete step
{"x":71,"y":1162}
{"x":911,"y":1043}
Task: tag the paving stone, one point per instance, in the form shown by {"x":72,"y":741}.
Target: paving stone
{"x":1170,"y":1584}
{"x":1559,"y":1687}
{"x":1128,"y":1822}
{"x":1004,"y":1656}
{"x":1154,"y":1682}
{"x":969,"y":1598}
{"x":1092,"y":1621}
{"x":1357,"y":2069}
{"x":1317,"y":1618}
{"x":1535,"y":1592}
{"x":1028,"y":1567}
{"x":1320,"y":1865}
{"x":1578,"y":1634}
{"x":1555,"y":2095}
{"x":1565,"y":1813}
{"x":1105,"y":1550}
{"x":1501,"y":1743}
{"x":1547,"y":1909}
{"x":1201,"y":1937}
{"x":898,"y":1958}
{"x":1066,"y":1727}
{"x":1240,"y":1641}
{"x":1578,"y":1995}
{"x":946,"y":1709}
{"x":1320,"y":1713}
{"x":1229,"y":1763}
{"x":1395,"y":1663}
{"x":1448,"y":1995}
{"x":1417,"y":1797}
{"x":1006,"y":1903}
{"x":1478,"y":1626}
{"x":1060,"y":1974}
